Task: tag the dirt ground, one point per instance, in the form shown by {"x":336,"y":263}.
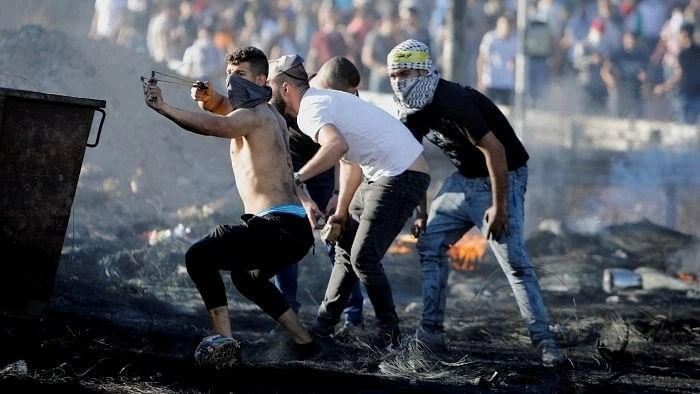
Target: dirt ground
{"x":124,"y":338}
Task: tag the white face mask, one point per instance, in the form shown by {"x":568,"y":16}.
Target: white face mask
{"x":413,"y":94}
{"x":403,"y":87}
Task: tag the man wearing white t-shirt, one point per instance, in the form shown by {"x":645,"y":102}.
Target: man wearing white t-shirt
{"x":383,"y":177}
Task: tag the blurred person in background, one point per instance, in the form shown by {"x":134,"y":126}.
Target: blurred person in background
{"x":260,"y":27}
{"x":283,"y":41}
{"x":132,"y":35}
{"x":413,"y":22}
{"x":187,"y":28}
{"x":611,"y":36}
{"x":496,"y":62}
{"x":378,"y":43}
{"x":494,"y":9}
{"x":588,"y":59}
{"x":202,"y":60}
{"x":361,"y":23}
{"x":646,"y":20}
{"x":306,"y":12}
{"x":108,"y":19}
{"x":160,"y":29}
{"x":487,"y":190}
{"x":554,"y":15}
{"x":624,"y":74}
{"x":685,"y":77}
{"x":137,"y":14}
{"x":577,"y":28}
{"x":668,"y":45}
{"x":329,"y":41}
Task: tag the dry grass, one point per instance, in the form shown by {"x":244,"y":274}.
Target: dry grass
{"x":414,"y":360}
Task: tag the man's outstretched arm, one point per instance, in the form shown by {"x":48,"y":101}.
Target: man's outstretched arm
{"x":235,"y":124}
{"x":212,"y":101}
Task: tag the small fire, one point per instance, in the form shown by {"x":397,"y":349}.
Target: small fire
{"x":466,"y":252}
{"x":403,"y":244}
{"x":687,"y":277}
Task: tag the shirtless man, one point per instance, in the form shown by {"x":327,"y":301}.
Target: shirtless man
{"x":338,"y":73}
{"x":275,"y":232}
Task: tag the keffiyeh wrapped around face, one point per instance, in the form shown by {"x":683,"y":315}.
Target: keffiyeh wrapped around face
{"x":412,"y":94}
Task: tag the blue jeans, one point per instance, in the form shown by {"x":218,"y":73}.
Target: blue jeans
{"x":320,"y":190}
{"x":459,"y":206}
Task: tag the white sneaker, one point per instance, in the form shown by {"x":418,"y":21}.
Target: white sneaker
{"x":551,"y":356}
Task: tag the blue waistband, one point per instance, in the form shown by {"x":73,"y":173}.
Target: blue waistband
{"x":292,"y":209}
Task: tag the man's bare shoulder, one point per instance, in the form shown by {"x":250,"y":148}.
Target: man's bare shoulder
{"x":261,"y":112}
{"x":264,"y":118}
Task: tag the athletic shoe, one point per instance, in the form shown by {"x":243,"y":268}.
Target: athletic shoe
{"x":551,"y":356}
{"x":307,"y":350}
{"x":433,"y":339}
{"x":218,"y":352}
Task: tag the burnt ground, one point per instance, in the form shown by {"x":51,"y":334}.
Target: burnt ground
{"x":127,"y":338}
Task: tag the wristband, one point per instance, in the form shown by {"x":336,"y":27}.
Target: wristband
{"x":297,"y":179}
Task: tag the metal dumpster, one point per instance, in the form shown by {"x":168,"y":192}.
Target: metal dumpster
{"x":42,"y":145}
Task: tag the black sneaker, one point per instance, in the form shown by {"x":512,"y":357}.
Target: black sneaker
{"x":320,"y":331}
{"x":551,"y":356}
{"x":388,"y":339}
{"x":307,"y":350}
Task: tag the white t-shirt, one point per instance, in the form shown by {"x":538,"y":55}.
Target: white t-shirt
{"x":379,"y":143}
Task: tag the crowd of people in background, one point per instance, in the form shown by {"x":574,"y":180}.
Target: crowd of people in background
{"x":628,"y":58}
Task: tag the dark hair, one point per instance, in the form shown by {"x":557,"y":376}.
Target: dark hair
{"x":252,"y":55}
{"x":340,"y":73}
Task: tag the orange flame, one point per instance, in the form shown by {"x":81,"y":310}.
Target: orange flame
{"x":687,"y":277}
{"x":466,"y":252}
{"x":403,"y":244}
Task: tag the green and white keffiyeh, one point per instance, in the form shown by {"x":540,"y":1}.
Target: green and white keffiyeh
{"x":412,"y":94}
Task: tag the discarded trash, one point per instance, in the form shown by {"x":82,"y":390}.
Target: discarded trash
{"x":615,"y":279}
{"x":619,"y":278}
{"x":18,"y":367}
{"x":157,"y":236}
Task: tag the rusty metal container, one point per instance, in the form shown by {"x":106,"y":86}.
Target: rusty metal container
{"x":42,"y":145}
